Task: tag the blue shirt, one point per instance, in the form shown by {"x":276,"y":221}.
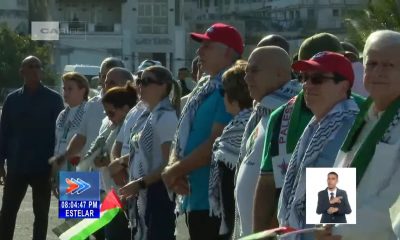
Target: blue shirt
{"x":27,"y":133}
{"x":211,"y":111}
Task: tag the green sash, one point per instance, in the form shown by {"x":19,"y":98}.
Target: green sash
{"x":367,"y":149}
{"x":299,"y":119}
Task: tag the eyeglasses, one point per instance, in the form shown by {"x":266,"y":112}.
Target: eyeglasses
{"x":222,"y":92}
{"x":316,"y":79}
{"x":145,"y":81}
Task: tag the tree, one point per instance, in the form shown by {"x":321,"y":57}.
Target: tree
{"x":378,"y":15}
{"x":14,"y":48}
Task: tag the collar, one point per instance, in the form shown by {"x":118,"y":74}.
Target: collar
{"x":372,"y":115}
{"x":24,"y":89}
{"x":162,"y":104}
{"x":345,"y":105}
{"x":264,"y":101}
{"x":334,"y":191}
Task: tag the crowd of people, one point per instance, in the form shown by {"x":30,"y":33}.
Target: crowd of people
{"x":226,"y":144}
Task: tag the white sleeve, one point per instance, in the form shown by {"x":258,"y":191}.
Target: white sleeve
{"x":166,"y":126}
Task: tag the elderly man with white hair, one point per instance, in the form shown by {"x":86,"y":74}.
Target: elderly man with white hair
{"x":373,"y":144}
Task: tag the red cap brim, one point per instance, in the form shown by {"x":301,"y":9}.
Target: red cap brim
{"x":198,"y":37}
{"x":308,"y":65}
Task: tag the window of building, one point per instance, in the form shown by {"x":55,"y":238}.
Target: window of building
{"x":153,"y":17}
{"x":335,"y":12}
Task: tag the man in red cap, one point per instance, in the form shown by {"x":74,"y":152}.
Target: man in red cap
{"x":202,"y":121}
{"x":327,"y":79}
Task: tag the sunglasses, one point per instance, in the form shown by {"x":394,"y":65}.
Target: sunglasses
{"x":317,"y":79}
{"x":145,"y":81}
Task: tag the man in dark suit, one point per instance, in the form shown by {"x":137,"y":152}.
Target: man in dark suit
{"x":332,"y":202}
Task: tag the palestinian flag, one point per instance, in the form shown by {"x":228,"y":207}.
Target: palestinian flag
{"x":83,"y":229}
{"x":280,"y":232}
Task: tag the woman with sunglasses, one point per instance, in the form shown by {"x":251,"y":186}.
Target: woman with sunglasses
{"x":150,"y":149}
{"x":75,"y":93}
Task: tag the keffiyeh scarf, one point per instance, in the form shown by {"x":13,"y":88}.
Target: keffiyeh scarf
{"x":225,"y":150}
{"x":189,"y":112}
{"x":76,"y":120}
{"x":311,"y":144}
{"x":186,"y":119}
{"x":259,"y":112}
{"x":381,"y":132}
{"x":143,"y":141}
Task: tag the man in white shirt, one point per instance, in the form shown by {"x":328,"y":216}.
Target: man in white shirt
{"x":263,"y":77}
{"x":373,"y":144}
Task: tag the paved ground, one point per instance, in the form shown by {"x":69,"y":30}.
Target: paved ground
{"x":23,"y":228}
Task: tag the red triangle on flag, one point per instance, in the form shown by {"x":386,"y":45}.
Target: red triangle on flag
{"x":111,"y":201}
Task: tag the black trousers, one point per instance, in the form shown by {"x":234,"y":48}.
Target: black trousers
{"x":202,"y":226}
{"x":14,"y":192}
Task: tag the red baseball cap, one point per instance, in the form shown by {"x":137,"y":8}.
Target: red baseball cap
{"x":222,"y":33}
{"x":327,"y":62}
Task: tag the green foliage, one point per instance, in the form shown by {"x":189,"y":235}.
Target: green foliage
{"x":13,"y":49}
{"x":378,"y":15}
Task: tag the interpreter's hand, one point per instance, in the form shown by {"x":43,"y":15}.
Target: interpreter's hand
{"x":336,"y":200}
{"x":332,"y":210}
{"x":170,"y":175}
{"x":326,"y":234}
{"x":3,"y":175}
{"x":130,"y":190}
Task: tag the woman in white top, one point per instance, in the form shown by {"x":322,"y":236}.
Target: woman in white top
{"x":149,"y":155}
{"x":75,"y":92}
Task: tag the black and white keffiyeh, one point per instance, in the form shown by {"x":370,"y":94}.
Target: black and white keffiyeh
{"x":189,"y":112}
{"x":76,"y":120}
{"x":258,"y":113}
{"x":309,"y":147}
{"x":226,"y":150}
{"x":143,"y":145}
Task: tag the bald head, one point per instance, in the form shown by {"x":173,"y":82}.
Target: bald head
{"x":31,"y":71}
{"x":31,"y":60}
{"x":117,"y":77}
{"x":268,"y":69}
{"x":274,"y":40}
{"x":273,"y":58}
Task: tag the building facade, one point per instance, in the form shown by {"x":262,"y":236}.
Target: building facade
{"x":14,"y":13}
{"x":133,"y":30}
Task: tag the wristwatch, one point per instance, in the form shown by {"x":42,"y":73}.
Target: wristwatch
{"x":141,"y":183}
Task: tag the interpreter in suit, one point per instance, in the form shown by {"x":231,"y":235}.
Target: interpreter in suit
{"x":332,"y":202}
